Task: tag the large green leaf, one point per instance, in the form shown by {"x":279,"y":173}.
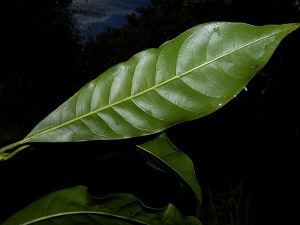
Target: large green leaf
{"x":185,"y":78}
{"x":163,"y":155}
{"x":74,"y":206}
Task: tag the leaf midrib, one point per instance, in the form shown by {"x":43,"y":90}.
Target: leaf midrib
{"x":83,"y":212}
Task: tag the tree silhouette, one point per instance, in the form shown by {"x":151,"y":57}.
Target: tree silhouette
{"x":39,"y":54}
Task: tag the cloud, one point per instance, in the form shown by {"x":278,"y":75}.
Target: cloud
{"x":92,"y":16}
{"x":128,"y":4}
{"x":101,"y":11}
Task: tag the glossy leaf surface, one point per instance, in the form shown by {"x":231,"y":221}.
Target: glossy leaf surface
{"x":75,"y":207}
{"x":163,"y":155}
{"x":185,"y":78}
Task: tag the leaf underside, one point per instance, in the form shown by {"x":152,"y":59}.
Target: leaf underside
{"x":163,"y":155}
{"x":74,"y":206}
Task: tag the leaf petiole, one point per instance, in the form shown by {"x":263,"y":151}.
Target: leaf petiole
{"x":7,"y":155}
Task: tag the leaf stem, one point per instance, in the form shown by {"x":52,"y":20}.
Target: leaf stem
{"x":4,"y":155}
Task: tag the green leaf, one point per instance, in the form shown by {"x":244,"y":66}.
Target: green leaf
{"x":168,"y":155}
{"x":186,"y":78}
{"x":74,"y":206}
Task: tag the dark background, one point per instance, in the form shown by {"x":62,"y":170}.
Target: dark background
{"x":254,"y":138}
